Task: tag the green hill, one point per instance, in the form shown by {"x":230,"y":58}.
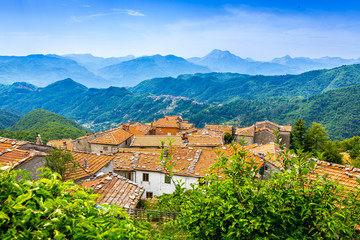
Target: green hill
{"x":49,"y":125}
{"x":338,"y":110}
{"x":7,"y":118}
{"x":223,"y":87}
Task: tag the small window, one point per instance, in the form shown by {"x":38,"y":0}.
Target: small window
{"x":146,"y":177}
{"x":105,"y":148}
{"x":128,"y":175}
{"x":167,"y":179}
{"x":169,"y":133}
{"x":149,"y":195}
{"x":266,"y":168}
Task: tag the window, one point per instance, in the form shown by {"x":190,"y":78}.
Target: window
{"x":169,"y":133}
{"x":149,"y":195}
{"x":105,"y":148}
{"x":146,"y":177}
{"x":167,"y":179}
{"x":128,"y":175}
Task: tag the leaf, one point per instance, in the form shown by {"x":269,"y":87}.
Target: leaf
{"x":22,"y":198}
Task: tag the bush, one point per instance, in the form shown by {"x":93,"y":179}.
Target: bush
{"x":287,"y":206}
{"x":52,"y":209}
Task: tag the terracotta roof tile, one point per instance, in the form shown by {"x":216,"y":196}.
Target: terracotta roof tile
{"x":188,"y":161}
{"x":186,"y":125}
{"x":69,"y":143}
{"x":115,"y":190}
{"x":94,"y":162}
{"x":219,"y":128}
{"x":141,"y":127}
{"x":169,"y":122}
{"x":271,"y":125}
{"x":115,"y":137}
{"x":155,"y":140}
{"x":199,"y":141}
{"x":13,"y":157}
{"x":246,"y":131}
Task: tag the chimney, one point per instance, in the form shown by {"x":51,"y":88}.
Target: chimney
{"x":64,"y":145}
{"x":111,"y":127}
{"x":38,"y":140}
{"x":86,"y":164}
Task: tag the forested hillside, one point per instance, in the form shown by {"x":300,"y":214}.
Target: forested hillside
{"x":321,"y":96}
{"x":49,"y":125}
{"x":7,"y":118}
{"x":218,"y":87}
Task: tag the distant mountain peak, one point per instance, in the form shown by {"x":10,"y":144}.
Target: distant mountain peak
{"x":68,"y":82}
{"x":219,"y":53}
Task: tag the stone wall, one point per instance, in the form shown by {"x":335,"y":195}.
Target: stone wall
{"x":32,"y":165}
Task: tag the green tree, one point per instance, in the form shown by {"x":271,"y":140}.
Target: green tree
{"x":60,"y":161}
{"x":298,"y":135}
{"x":228,"y":138}
{"x":331,"y":152}
{"x":315,"y":137}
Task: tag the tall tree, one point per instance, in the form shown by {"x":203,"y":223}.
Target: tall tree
{"x":315,"y":137}
{"x":298,"y":135}
{"x":60,"y":161}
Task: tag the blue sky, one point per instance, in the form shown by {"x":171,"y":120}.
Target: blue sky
{"x":261,"y":30}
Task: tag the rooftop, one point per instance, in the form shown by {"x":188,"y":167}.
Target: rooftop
{"x":114,"y":137}
{"x":219,"y":128}
{"x":246,"y":131}
{"x":115,"y":190}
{"x":11,"y":157}
{"x":207,"y":141}
{"x":155,"y":140}
{"x":94,"y":163}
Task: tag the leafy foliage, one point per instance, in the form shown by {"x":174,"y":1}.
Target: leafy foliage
{"x":287,"y":206}
{"x":52,"y":209}
{"x":60,"y":161}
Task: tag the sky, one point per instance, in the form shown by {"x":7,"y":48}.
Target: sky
{"x":261,"y":30}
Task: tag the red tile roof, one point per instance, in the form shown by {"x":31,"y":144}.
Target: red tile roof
{"x":94,"y":163}
{"x":188,"y":161}
{"x":11,"y":157}
{"x":246,"y":131}
{"x":155,"y":140}
{"x":115,"y":190}
{"x":207,"y":141}
{"x":168,"y":122}
{"x":141,"y":127}
{"x":219,"y":128}
{"x":115,"y":137}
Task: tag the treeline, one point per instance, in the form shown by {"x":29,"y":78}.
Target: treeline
{"x":314,"y":139}
{"x":47,"y":134}
{"x":49,"y":125}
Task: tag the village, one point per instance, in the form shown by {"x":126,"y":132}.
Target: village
{"x":122,"y":164}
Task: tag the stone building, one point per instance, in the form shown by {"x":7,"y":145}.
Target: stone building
{"x":263,"y":133}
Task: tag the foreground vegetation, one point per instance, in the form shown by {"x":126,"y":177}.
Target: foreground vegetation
{"x":52,"y":209}
{"x":289,"y":205}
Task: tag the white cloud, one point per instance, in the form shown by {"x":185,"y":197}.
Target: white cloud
{"x":130,"y":12}
{"x":113,"y":12}
{"x":134,"y":13}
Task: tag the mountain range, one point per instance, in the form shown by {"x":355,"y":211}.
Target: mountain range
{"x":98,"y":72}
{"x":330,"y":97}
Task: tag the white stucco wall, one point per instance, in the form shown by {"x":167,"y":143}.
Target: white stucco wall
{"x":157,"y":185}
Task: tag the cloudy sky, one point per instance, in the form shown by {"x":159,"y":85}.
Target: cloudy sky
{"x":261,"y":30}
